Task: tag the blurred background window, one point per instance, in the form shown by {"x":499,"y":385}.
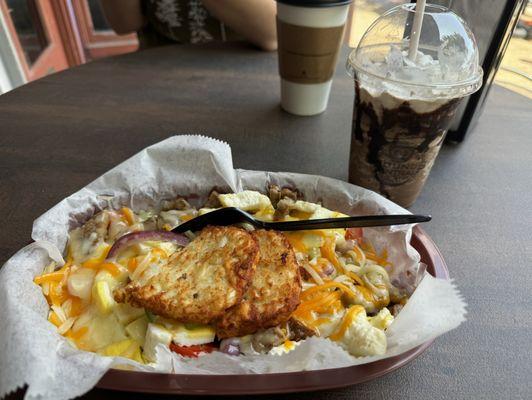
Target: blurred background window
{"x":28,"y":25}
{"x":515,"y":72}
{"x":363,"y":13}
{"x":38,"y":37}
{"x":98,"y":19}
{"x":97,"y":37}
{"x":501,"y":27}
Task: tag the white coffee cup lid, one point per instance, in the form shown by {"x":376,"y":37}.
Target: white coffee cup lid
{"x":315,"y":3}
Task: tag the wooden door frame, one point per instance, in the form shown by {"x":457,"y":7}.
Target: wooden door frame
{"x":39,"y":67}
{"x":100,"y":44}
{"x":69,"y":32}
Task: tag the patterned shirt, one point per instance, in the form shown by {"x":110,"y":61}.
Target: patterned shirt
{"x":181,"y":21}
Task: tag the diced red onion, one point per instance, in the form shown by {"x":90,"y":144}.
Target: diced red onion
{"x":230,"y":346}
{"x":143,"y":236}
{"x":328,"y":270}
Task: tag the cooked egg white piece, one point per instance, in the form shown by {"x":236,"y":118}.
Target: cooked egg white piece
{"x":284,"y":348}
{"x":304,"y":207}
{"x":79,"y":283}
{"x":126,"y":348}
{"x":155,"y":334}
{"x":137,"y":329}
{"x":248,"y":200}
{"x":203,"y":211}
{"x":359,"y":336}
{"x":330,"y":323}
{"x":113,"y":281}
{"x":126,"y":313}
{"x":167,"y":331}
{"x":189,"y":336}
{"x":382,"y":320}
{"x":102,"y":330}
{"x":103,"y":297}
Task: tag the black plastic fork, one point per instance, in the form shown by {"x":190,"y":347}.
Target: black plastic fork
{"x":231,"y":215}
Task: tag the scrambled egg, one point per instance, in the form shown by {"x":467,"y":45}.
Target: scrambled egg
{"x":285,"y":348}
{"x":382,"y":320}
{"x":316,"y":211}
{"x":305,"y":206}
{"x":166,"y":331}
{"x":156,"y":334}
{"x":362,"y":336}
{"x":248,"y":200}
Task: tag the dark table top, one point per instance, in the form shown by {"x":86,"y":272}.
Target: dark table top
{"x":59,"y":133}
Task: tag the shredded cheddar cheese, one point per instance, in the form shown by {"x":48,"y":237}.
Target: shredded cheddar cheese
{"x":54,"y":319}
{"x":328,"y":285}
{"x":132,"y":264}
{"x":51,"y":277}
{"x":186,"y":217}
{"x":76,"y":335}
{"x":96,"y":261}
{"x":328,"y":252}
{"x":295,"y":239}
{"x":355,"y":277}
{"x":128,"y":215}
{"x":112,"y":268}
{"x":56,"y":294}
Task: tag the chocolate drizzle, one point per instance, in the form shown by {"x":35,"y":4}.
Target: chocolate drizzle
{"x":399,"y":146}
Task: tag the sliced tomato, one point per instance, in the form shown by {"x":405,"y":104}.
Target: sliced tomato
{"x":353,"y":234}
{"x":192,"y":351}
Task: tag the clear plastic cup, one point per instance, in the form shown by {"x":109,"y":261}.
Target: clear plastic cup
{"x":403,"y":107}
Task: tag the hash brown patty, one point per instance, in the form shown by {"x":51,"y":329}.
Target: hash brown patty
{"x":273,"y":293}
{"x":200,"y":281}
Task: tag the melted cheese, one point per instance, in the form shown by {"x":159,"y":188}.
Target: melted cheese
{"x":100,"y":255}
{"x":358,"y":335}
{"x":328,"y":285}
{"x":128,"y":215}
{"x":347,"y":321}
{"x":322,"y":307}
{"x":284,"y":348}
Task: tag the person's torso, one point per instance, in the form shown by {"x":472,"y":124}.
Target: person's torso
{"x":181,"y":21}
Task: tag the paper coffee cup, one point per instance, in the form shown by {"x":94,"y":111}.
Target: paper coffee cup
{"x":309,"y":34}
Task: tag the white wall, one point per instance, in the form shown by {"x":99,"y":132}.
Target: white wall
{"x":5,"y":82}
{"x":11,"y":73}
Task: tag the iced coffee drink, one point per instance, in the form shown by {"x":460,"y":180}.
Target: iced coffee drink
{"x":403,"y":107}
{"x":395,"y":141}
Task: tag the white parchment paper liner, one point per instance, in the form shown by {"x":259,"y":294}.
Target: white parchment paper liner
{"x":32,"y":352}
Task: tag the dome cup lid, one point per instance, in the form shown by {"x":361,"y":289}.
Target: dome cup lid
{"x":445,"y":66}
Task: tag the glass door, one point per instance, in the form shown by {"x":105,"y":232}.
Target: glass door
{"x":35,"y":34}
{"x":98,"y":38}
